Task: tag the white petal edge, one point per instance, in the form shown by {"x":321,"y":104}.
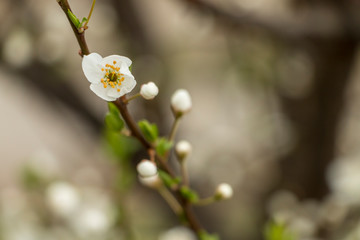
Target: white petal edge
{"x":113,"y":93}
{"x":119,"y":59}
{"x":128,"y":84}
{"x":101,"y":92}
{"x":91,"y":65}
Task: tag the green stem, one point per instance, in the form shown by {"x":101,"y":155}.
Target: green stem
{"x":184,"y":173}
{"x":132,"y":97}
{"x":174,"y":128}
{"x":90,"y":13}
{"x":205,"y":201}
{"x":171,"y":200}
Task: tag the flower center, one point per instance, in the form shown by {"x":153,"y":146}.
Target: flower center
{"x":112,"y":77}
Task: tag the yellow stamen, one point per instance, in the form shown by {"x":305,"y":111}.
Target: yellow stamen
{"x":118,"y":90}
{"x":114,"y":62}
{"x":102,"y":69}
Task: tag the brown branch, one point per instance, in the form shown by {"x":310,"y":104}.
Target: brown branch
{"x":122,"y":106}
{"x":80,"y":36}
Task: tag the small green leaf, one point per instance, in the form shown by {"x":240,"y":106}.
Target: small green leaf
{"x":189,"y":194}
{"x":122,"y":147}
{"x":277,"y":231}
{"x":74,"y":19}
{"x":203,"y":235}
{"x":130,"y":68}
{"x":31,"y":178}
{"x":113,"y":109}
{"x":168,"y":180}
{"x":113,"y":122}
{"x":82,"y":21}
{"x":150,"y":131}
{"x":163,"y":146}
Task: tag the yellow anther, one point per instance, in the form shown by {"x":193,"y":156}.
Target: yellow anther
{"x":102,"y":69}
{"x":117,"y":69}
{"x":122,"y":79}
{"x":105,"y":86}
{"x":106,"y":65}
{"x":102,"y":80}
{"x":114,"y":62}
{"x":118,"y":89}
{"x":106,"y":74}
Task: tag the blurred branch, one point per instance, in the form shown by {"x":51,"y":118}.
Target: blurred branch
{"x":286,"y":30}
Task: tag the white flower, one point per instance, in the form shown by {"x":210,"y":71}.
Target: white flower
{"x":91,"y":220}
{"x":149,"y":90}
{"x":110,"y":76}
{"x":146,"y":168}
{"x":181,"y":101}
{"x":178,"y":233}
{"x":62,"y":198}
{"x":224,"y":191}
{"x":152,"y":181}
{"x":183,"y":149}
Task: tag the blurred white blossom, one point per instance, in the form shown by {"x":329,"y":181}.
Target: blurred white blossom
{"x":18,"y":48}
{"x":178,"y":233}
{"x":63,"y":198}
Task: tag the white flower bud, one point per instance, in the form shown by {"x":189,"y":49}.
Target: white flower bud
{"x":62,"y":198}
{"x":152,"y":182}
{"x":146,"y":168}
{"x":181,"y":101}
{"x":149,"y":90}
{"x":224,"y":191}
{"x":183,"y":149}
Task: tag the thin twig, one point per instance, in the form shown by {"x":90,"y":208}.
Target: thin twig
{"x":174,"y":128}
{"x":79,"y":36}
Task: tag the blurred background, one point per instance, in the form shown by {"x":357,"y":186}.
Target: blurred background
{"x":275,"y":113}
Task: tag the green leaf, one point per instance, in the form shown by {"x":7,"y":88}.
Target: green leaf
{"x":277,"y":231}
{"x":82,"y":21}
{"x":31,"y":178}
{"x":74,"y":19}
{"x":113,"y":122}
{"x":150,"y":131}
{"x":130,"y":67}
{"x":163,"y":146}
{"x":203,"y":235}
{"x":189,"y":194}
{"x":122,"y":147}
{"x":168,"y":180}
{"x":113,"y":109}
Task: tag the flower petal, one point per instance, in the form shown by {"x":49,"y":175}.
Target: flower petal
{"x":124,"y":69}
{"x":119,"y":59}
{"x":127,"y":85}
{"x":91,"y":65}
{"x":112,"y":92}
{"x":101,"y":92}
